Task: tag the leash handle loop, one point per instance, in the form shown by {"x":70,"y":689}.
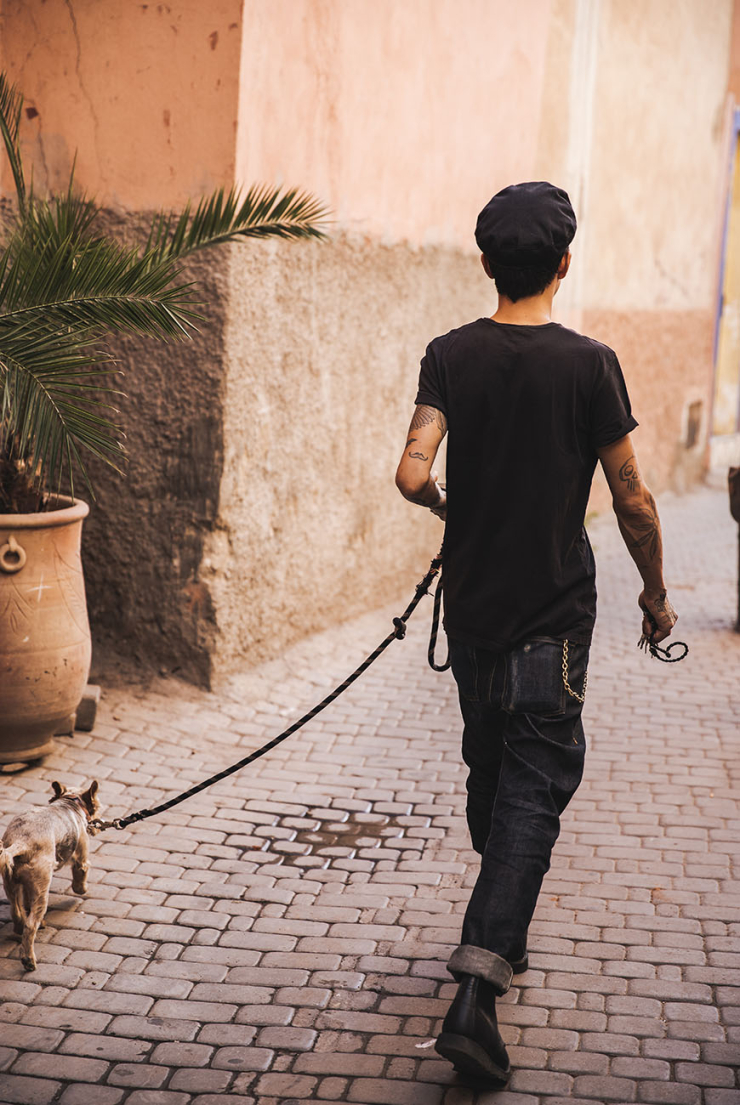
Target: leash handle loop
{"x":654,"y":649}
{"x":664,"y":654}
{"x":434,"y":631}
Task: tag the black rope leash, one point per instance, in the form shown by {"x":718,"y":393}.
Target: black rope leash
{"x":434,"y":631}
{"x":399,"y":632}
{"x":655,"y":650}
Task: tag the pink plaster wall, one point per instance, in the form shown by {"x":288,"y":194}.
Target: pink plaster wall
{"x":405,"y":117}
{"x":145,"y":93}
{"x":657,"y":158}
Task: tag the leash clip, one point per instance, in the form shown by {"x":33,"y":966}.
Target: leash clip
{"x":97,"y":825}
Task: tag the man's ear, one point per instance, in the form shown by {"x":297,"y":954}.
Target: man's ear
{"x":59,"y":789}
{"x":486,"y":266}
{"x":564,"y":265}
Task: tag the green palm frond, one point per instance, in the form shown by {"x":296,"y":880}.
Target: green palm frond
{"x":11,"y":104}
{"x":63,"y":291}
{"x":97,"y":283}
{"x":69,"y":217}
{"x":56,"y":398}
{"x":65,"y":287}
{"x":264,"y":212}
{"x":53,"y":256}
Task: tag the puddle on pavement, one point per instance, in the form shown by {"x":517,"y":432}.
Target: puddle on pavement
{"x":329,"y":838}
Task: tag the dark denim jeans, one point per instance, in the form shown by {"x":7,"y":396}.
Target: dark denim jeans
{"x":523,"y":742}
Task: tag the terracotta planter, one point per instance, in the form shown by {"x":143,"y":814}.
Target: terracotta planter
{"x":44,"y":631}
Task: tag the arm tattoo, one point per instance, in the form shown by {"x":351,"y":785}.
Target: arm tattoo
{"x":629,"y":474}
{"x":418,"y":456}
{"x":424,"y":415}
{"x":642,"y":534}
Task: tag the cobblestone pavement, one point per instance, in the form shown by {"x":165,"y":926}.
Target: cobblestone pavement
{"x":283,"y":936}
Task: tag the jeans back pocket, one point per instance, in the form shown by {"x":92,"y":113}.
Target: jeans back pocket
{"x":534,"y":679}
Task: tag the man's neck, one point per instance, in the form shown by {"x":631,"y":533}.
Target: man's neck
{"x":536,"y":310}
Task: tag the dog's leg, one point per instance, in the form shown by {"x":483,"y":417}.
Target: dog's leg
{"x":16,"y":909}
{"x":36,"y":900}
{"x":80,"y":866}
{"x":14,"y":892}
{"x":79,"y":878}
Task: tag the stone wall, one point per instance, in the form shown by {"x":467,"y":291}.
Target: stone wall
{"x":323,"y":345}
{"x":143,"y":540}
{"x":258,"y":502}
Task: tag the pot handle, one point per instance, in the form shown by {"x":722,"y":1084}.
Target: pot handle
{"x":12,"y":556}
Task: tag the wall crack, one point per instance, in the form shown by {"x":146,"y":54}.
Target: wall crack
{"x":80,"y":81}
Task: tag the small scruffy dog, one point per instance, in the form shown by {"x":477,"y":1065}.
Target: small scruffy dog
{"x":34,"y":846}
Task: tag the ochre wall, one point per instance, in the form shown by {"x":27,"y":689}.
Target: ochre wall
{"x":406,"y":117}
{"x":144,"y":95}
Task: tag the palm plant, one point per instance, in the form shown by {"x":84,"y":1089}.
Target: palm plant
{"x":65,"y":287}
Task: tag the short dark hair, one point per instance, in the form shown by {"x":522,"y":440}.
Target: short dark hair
{"x":521,"y":283}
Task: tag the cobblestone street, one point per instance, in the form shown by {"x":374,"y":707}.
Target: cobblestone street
{"x":283,"y":936}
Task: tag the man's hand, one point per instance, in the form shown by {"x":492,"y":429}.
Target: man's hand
{"x":657,"y":605}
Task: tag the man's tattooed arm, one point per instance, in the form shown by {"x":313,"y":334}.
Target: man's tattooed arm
{"x":640,"y":528}
{"x":637,"y":517}
{"x":642,"y":536}
{"x":417,"y":455}
{"x":414,"y":477}
{"x":629,"y":474}
{"x":431,"y":496}
{"x":639,"y":524}
{"x":424,"y":416}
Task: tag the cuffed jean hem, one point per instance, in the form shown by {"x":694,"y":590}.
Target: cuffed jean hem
{"x":469,"y":960}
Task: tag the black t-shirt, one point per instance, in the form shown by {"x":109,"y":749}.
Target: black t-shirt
{"x":527,"y":407}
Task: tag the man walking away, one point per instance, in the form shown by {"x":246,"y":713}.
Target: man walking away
{"x":529,"y":407}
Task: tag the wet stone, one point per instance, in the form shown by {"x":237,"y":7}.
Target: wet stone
{"x":335,"y":834}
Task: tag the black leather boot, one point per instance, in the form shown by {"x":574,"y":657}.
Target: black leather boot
{"x":470,"y":1038}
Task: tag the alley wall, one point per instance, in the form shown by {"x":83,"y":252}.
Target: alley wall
{"x":259,"y":503}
